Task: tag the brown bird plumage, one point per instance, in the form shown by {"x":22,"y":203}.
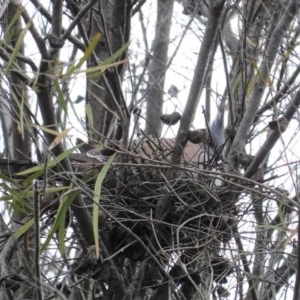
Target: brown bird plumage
{"x":198,"y":136}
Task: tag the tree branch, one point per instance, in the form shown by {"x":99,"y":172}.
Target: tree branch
{"x":263,"y":76}
{"x":272,"y":138}
{"x":198,"y":79}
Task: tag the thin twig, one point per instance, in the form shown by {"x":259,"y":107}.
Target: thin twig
{"x":37,"y":238}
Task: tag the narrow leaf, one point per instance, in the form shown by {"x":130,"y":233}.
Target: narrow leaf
{"x":97,"y":194}
{"x":98,"y":71}
{"x":48,"y":130}
{"x":17,"y":47}
{"x":47,"y":191}
{"x":52,"y":163}
{"x":59,"y":138}
{"x":6,"y":178}
{"x":116,"y":55}
{"x":61,"y":99}
{"x":23,"y":229}
{"x":89,"y":116}
{"x":59,"y":222}
{"x":86,"y":54}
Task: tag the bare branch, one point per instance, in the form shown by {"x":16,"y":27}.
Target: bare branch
{"x":263,"y":78}
{"x":198,"y":79}
{"x":272,"y":138}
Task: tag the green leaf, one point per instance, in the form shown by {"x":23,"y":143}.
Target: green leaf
{"x":61,"y":99}
{"x":18,"y":197}
{"x":17,"y":47}
{"x":86,"y":54}
{"x":52,"y":163}
{"x":99,"y":70}
{"x":6,"y":178}
{"x":30,"y":193}
{"x":60,"y":218}
{"x":23,"y":229}
{"x":97,"y":194}
{"x":115,"y":55}
{"x":48,"y":130}
{"x":62,"y":229}
{"x":29,"y":178}
{"x":89,"y":116}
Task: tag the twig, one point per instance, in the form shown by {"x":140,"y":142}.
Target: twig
{"x":36,"y":199}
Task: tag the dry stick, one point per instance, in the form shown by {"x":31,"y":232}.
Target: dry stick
{"x":114,"y":269}
{"x":245,"y":264}
{"x":151,"y":252}
{"x":37,"y":238}
{"x":297,"y":281}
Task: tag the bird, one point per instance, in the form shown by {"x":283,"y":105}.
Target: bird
{"x":161,"y":149}
{"x":143,"y":151}
{"x":198,"y":136}
{"x":103,"y":153}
